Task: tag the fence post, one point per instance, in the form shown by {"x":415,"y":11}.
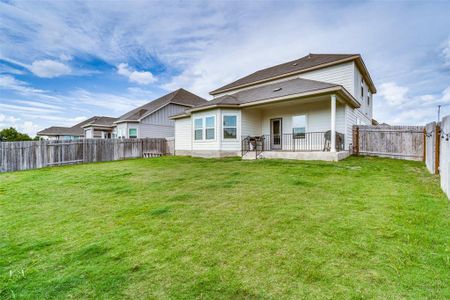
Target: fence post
{"x":357,"y":141}
{"x":438,"y":148}
{"x":424,"y":143}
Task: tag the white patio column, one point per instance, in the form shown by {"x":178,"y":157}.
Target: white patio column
{"x":333,"y":123}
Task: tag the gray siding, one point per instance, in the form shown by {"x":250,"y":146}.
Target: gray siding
{"x":158,"y":124}
{"x":161,"y":116}
{"x":156,"y":131}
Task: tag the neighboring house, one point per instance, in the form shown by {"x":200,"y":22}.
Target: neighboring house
{"x":60,"y":133}
{"x":292,"y":110}
{"x":152,"y":119}
{"x":99,"y":128}
{"x":71,"y":133}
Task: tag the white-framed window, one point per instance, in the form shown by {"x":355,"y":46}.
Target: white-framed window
{"x":368,"y":98}
{"x":132,"y":133}
{"x":230,"y":127}
{"x":210,"y":127}
{"x":121,"y":133}
{"x":198,"y":129}
{"x":299,"y":126}
{"x":88,"y":133}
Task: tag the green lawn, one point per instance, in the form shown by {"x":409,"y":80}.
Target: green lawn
{"x":186,"y":228}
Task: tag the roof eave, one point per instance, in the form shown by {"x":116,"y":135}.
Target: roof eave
{"x":336,"y":89}
{"x":155,"y":110}
{"x":181,"y":116}
{"x":126,"y":121}
{"x":362,"y":66}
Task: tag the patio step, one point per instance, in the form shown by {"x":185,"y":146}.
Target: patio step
{"x":250,"y":155}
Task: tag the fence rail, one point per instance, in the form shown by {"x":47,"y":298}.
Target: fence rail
{"x":15,"y":156}
{"x":403,"y":142}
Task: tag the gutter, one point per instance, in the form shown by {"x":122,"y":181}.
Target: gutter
{"x":339,"y":89}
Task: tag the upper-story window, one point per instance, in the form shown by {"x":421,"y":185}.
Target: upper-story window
{"x":362,"y":89}
{"x":368,"y":98}
{"x":229,"y":127}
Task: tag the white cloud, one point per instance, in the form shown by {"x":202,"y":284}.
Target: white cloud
{"x":119,"y":104}
{"x":8,"y":82}
{"x":393,"y":93}
{"x":446,"y":52}
{"x":9,"y":119}
{"x":446,"y":94}
{"x":27,"y":127}
{"x":39,"y":104}
{"x":427,"y":98}
{"x":9,"y":70}
{"x":65,"y":57}
{"x":143,"y":77}
{"x":49,"y":68}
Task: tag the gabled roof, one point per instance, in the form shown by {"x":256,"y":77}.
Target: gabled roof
{"x":56,"y":130}
{"x":75,"y":130}
{"x":298,"y":66}
{"x":100,"y":121}
{"x":180,"y":96}
{"x":291,"y":88}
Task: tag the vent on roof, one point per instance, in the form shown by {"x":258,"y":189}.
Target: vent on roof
{"x":294,"y":64}
{"x":277,"y":89}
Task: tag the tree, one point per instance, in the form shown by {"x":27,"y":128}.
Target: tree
{"x":12,"y":135}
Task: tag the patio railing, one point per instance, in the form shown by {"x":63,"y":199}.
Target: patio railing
{"x":309,"y":141}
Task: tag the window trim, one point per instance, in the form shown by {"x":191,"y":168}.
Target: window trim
{"x":223,"y":127}
{"x":203,"y":129}
{"x":362,"y":89}
{"x":306,"y":126}
{"x":137,"y":133}
{"x":214,"y":127}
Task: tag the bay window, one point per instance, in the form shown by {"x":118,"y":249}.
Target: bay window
{"x":198,"y":129}
{"x":210,"y":124}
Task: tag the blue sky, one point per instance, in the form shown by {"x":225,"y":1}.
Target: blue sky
{"x":64,"y":61}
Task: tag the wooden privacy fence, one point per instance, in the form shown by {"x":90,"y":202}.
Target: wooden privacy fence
{"x":438,"y":151}
{"x":16,"y":156}
{"x":403,"y":142}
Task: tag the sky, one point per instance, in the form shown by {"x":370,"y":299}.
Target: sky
{"x":64,"y":61}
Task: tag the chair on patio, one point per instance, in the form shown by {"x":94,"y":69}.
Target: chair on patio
{"x":339,"y":141}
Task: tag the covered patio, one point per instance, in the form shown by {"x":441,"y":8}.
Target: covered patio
{"x":310,"y":128}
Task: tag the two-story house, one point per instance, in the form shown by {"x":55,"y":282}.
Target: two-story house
{"x":302,"y":109}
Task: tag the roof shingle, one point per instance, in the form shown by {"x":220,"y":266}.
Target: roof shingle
{"x":295,"y":66}
{"x":77,"y":129}
{"x":274,"y":90}
{"x":180,"y":96}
